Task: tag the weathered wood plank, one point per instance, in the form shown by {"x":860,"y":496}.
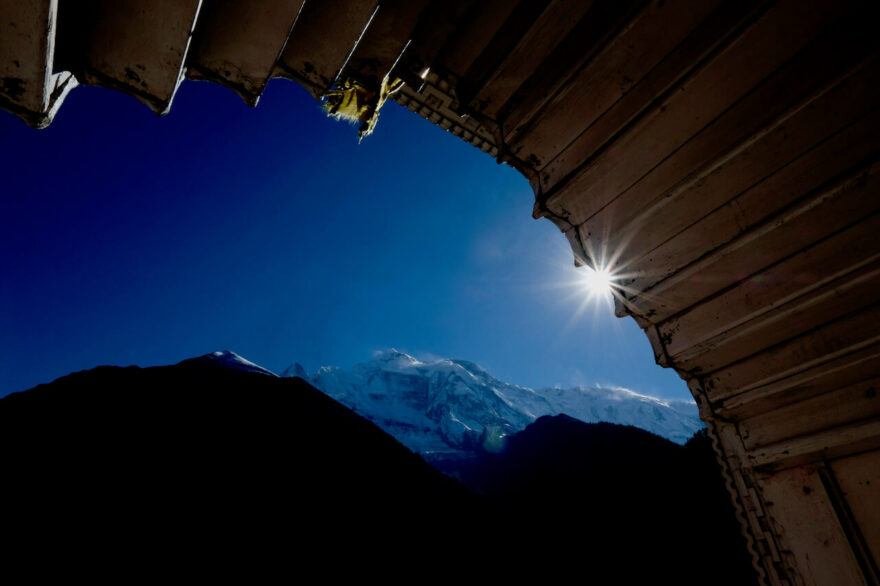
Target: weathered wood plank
{"x":663,"y":204}
{"x":817,"y":216}
{"x":716,"y":86}
{"x":384,"y":40}
{"x":544,"y":34}
{"x":439,"y":23}
{"x":827,"y":444}
{"x":28,"y":86}
{"x":615,"y":71}
{"x":798,"y":502}
{"x":548,"y":84}
{"x":517,"y":24}
{"x":24,"y":73}
{"x":719,"y":229}
{"x":321,"y":40}
{"x":751,"y":510}
{"x":474,"y":35}
{"x":435,"y":103}
{"x":859,"y":480}
{"x":848,"y":369}
{"x":781,"y":302}
{"x":236,"y":44}
{"x":850,"y":404}
{"x":838,"y":338}
{"x":136,"y":47}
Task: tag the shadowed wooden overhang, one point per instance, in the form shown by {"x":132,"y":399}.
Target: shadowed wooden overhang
{"x":720,"y":158}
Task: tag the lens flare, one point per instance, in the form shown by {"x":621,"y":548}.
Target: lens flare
{"x":597,"y":281}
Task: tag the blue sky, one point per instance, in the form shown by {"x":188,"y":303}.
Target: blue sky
{"x":126,"y":238}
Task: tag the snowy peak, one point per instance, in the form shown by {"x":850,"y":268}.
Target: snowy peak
{"x":231,"y":360}
{"x":440,"y":405}
{"x":392,"y":359}
{"x":295,"y":369}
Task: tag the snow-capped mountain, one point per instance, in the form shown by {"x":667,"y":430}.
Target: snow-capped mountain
{"x":231,"y":360}
{"x":447,"y":406}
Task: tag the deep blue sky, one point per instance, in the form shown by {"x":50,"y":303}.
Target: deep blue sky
{"x":126,"y":238}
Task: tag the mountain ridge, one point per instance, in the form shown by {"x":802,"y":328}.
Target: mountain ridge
{"x":442,"y":406}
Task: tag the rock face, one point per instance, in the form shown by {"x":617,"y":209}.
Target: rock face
{"x":445,"y":406}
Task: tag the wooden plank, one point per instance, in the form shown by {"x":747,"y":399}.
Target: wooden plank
{"x":28,"y":86}
{"x":25,"y":62}
{"x":320,"y":41}
{"x":531,"y":50}
{"x":836,"y":339}
{"x":853,"y":403}
{"x":505,"y":39}
{"x":751,"y":510}
{"x":435,"y":104}
{"x":822,"y":213}
{"x":781,"y":302}
{"x":236,"y":44}
{"x":859,"y":480}
{"x":384,"y":40}
{"x":439,"y":22}
{"x":848,"y":369}
{"x":719,"y":84}
{"x":824,"y":445}
{"x":548,"y":84}
{"x":615,"y":71}
{"x":471,"y":39}
{"x":653,"y":276}
{"x":663,"y":204}
{"x":654,"y":273}
{"x":798,"y":503}
{"x":136,"y":47}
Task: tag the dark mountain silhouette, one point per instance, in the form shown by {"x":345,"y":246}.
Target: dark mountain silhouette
{"x":229,"y":472}
{"x":634,"y":507}
{"x":197,"y":461}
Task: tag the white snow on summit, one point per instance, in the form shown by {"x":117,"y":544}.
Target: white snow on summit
{"x":441,"y":405}
{"x":229,"y":359}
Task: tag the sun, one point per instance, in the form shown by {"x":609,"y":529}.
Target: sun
{"x":597,"y":281}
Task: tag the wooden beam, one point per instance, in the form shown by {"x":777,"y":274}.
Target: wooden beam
{"x":539,"y":129}
{"x":810,"y":528}
{"x":850,"y":404}
{"x":721,"y":163}
{"x":725,"y":79}
{"x":139,"y":48}
{"x":471,"y":39}
{"x":823,"y":345}
{"x":824,"y":212}
{"x":321,"y":40}
{"x":237,"y":44}
{"x":29,"y":86}
{"x":828,"y":444}
{"x":385,"y":40}
{"x":824,"y":377}
{"x":530,"y":51}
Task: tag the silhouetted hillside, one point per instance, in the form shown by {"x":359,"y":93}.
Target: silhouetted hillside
{"x":198,"y":460}
{"x":623,"y":502}
{"x":231,"y":472}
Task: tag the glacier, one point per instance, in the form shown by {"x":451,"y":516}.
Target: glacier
{"x":443,"y":407}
